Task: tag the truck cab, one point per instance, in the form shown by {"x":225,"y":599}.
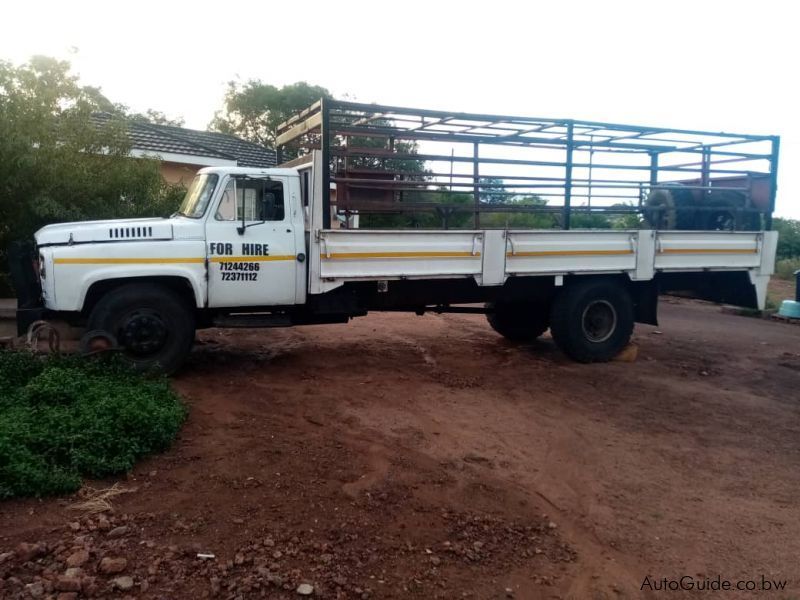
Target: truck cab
{"x":253,"y":227}
{"x":238,"y":240}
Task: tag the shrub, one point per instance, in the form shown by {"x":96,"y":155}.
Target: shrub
{"x":64,"y":418}
{"x":786,"y":268}
{"x":788,"y":237}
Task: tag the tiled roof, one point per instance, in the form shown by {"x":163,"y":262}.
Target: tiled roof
{"x":247,"y":154}
{"x":149,"y":137}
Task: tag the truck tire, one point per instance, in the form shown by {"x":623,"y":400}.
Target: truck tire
{"x":592,"y":321}
{"x":153,"y":325}
{"x":518,"y":321}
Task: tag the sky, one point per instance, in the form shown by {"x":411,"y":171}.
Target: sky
{"x":701,"y":64}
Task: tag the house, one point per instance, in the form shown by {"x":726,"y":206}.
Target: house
{"x":184,"y":151}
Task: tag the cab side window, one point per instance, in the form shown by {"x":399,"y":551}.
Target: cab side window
{"x":258,"y":199}
{"x":273,"y":201}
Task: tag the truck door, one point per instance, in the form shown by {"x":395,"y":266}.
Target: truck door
{"x":250,"y":245}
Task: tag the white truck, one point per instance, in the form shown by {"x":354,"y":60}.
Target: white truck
{"x":261,"y":248}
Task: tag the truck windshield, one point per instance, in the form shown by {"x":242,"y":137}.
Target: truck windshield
{"x":198,"y":195}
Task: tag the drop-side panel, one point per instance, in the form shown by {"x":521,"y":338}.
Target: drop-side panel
{"x":492,"y":256}
{"x":365,"y":254}
{"x":570,"y":251}
{"x":695,"y":250}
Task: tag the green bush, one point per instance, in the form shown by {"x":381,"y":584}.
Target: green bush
{"x":785,"y":269}
{"x":788,"y":237}
{"x":64,"y":418}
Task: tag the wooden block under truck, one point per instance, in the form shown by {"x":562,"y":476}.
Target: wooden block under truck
{"x":567,"y":225}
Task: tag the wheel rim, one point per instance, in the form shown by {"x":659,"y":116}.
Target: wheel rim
{"x":143,"y":333}
{"x":599,"y":321}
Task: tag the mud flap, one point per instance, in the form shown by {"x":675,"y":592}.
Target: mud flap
{"x":645,"y":301}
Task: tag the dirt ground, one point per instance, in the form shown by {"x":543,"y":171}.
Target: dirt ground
{"x":426,"y":457}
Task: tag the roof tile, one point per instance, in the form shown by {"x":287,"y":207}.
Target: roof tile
{"x":150,"y":137}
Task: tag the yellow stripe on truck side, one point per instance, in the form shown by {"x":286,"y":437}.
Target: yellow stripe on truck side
{"x":167,"y":260}
{"x":624,"y":252}
{"x":352,"y":255}
{"x":708,"y":251}
{"x":378,"y":255}
{"x":571,"y":253}
{"x":226,"y":259}
{"x":126,"y":261}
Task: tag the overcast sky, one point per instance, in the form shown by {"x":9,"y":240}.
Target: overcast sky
{"x":726,"y":65}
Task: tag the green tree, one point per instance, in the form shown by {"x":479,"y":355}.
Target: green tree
{"x":156,"y":117}
{"x":521,"y":220}
{"x":588,"y":220}
{"x":788,"y":237}
{"x":254,"y":110}
{"x":102,"y":103}
{"x":454,"y":212}
{"x":492,"y":190}
{"x":56,"y":164}
{"x":628,"y":220}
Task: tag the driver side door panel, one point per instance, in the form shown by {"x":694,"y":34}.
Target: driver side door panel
{"x":254,"y":265}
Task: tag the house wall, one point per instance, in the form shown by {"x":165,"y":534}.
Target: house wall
{"x":178,"y":172}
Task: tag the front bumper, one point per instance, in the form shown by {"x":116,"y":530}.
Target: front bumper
{"x":30,"y":306}
{"x":26,"y":317}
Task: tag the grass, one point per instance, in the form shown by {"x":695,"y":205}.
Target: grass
{"x":95,"y":500}
{"x":65,"y":418}
{"x":786,"y":268}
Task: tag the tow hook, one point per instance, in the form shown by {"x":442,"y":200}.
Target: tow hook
{"x":36,"y":332}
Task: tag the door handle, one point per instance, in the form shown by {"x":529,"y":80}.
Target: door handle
{"x":301,"y":257}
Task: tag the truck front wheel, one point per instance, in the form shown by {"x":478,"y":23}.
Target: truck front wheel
{"x":518,"y":321}
{"x":592,"y":321}
{"x":152,"y":324}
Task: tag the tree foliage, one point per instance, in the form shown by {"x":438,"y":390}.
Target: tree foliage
{"x":492,"y":190}
{"x":102,"y":103}
{"x":56,"y":164}
{"x":156,"y":117}
{"x":254,"y":110}
{"x":788,"y":237}
{"x":520,"y":220}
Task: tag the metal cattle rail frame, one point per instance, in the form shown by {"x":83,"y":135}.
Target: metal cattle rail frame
{"x":388,"y":159}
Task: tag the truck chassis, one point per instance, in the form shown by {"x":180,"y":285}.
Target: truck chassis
{"x":302,"y":258}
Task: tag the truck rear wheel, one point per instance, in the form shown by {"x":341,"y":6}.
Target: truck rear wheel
{"x":592,"y":321}
{"x":153,"y":326}
{"x":518,"y":321}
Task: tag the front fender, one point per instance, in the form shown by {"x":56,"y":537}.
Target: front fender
{"x":75,"y":269}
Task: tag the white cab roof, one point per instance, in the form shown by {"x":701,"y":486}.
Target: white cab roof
{"x":249,"y":171}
